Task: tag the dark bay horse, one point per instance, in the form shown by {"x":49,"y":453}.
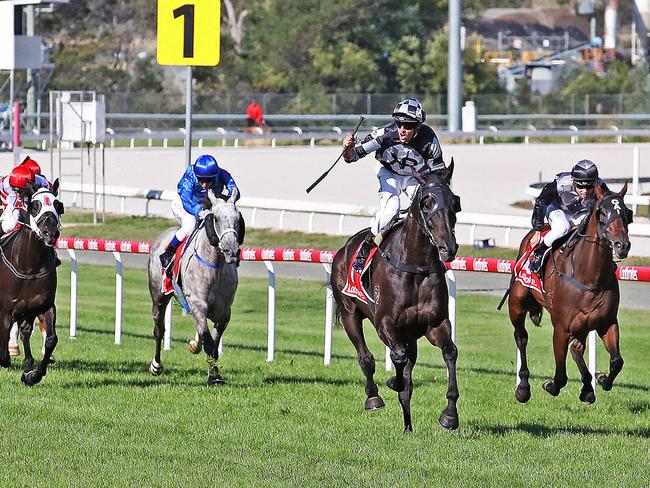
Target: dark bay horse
{"x":410,"y":293}
{"x":208,"y":276}
{"x":28,"y":279}
{"x":581,"y":294}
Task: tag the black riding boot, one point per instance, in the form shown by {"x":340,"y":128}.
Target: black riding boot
{"x":536,"y":259}
{"x":366,"y":247}
{"x":167,"y":257}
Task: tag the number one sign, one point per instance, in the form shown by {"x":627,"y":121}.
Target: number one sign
{"x":188,"y":32}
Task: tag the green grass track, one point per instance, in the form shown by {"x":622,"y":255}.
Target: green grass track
{"x":100,"y":419}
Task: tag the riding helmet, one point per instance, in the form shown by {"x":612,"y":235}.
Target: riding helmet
{"x":31,"y":164}
{"x":409,"y":110}
{"x":20,"y":176}
{"x":584,"y":170}
{"x":206,"y":167}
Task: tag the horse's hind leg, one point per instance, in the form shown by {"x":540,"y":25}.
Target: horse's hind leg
{"x":587,"y":395}
{"x":560,"y":347}
{"x":609,"y":337}
{"x":353,"y":328}
{"x":158,"y":309}
{"x":441,"y":337}
{"x":517,"y":311}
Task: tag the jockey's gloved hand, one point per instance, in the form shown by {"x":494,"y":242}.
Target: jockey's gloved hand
{"x":203,"y":214}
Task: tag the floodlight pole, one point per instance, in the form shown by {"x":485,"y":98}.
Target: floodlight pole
{"x":188,"y":117}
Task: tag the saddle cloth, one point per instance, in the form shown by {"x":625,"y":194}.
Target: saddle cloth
{"x":522,"y":270}
{"x":354,"y":286}
{"x":167,"y":284}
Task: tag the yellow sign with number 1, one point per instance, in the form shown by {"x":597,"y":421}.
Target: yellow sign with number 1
{"x":188,"y":32}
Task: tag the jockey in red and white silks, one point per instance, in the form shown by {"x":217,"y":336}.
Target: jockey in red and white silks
{"x":401,"y":147}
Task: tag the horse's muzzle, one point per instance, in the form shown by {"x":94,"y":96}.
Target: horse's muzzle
{"x":447,"y":254}
{"x":621,"y":249}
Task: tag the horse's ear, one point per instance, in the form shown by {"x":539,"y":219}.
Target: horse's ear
{"x":212,"y":198}
{"x":448,"y":172}
{"x":29,"y":191}
{"x":55,"y":187}
{"x":623,"y":190}
{"x":600,"y":193}
{"x":418,"y":176}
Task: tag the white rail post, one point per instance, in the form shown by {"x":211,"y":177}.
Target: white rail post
{"x":147,"y":131}
{"x":389,"y":363}
{"x":73,"y":293}
{"x":574,"y":139}
{"x":619,"y":137}
{"x":636,"y":159}
{"x":451,"y":285}
{"x":118,"y":297}
{"x":270,"y":341}
{"x":592,"y":357}
{"x":167,"y":342}
{"x":329,"y":316}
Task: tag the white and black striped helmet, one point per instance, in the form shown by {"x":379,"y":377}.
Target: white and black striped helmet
{"x":409,"y":110}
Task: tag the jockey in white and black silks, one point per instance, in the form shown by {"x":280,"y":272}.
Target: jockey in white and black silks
{"x":187,"y":207}
{"x":405,"y":145}
{"x":565,"y":202}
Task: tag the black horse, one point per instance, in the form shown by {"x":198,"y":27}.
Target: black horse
{"x":28,"y":279}
{"x":410,"y":293}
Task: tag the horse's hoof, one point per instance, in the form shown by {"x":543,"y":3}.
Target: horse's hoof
{"x":155,"y":368}
{"x":588,"y":397}
{"x":550,"y":387}
{"x":374,"y":403}
{"x":194,"y":346}
{"x":390,"y":383}
{"x":216,"y":380}
{"x":522,"y":394}
{"x":29,"y":378}
{"x":603,"y":381}
{"x":51,"y":360}
{"x":5,"y":363}
{"x":449,"y":422}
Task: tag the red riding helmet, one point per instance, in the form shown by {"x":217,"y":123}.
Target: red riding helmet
{"x":20,"y":176}
{"x":31,"y":164}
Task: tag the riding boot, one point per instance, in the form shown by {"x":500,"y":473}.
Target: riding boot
{"x":364,"y":251}
{"x":167,"y":257}
{"x":536,"y":259}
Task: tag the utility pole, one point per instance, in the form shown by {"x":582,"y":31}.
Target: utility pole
{"x":455,"y":68}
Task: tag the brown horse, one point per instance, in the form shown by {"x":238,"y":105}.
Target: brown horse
{"x":581,"y":294}
{"x":28,"y":279}
{"x":410,"y":294}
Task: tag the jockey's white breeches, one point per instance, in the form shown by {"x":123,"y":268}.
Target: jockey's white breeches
{"x":560,"y":224}
{"x":9,"y":218}
{"x":183,"y":217}
{"x":390,"y":188}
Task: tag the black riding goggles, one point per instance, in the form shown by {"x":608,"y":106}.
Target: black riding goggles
{"x":584,"y":185}
{"x":407,"y":125}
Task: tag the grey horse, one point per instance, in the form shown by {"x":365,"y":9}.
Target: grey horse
{"x":208,"y":279}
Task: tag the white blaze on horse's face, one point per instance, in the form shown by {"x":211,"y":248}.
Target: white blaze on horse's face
{"x":42,"y":205}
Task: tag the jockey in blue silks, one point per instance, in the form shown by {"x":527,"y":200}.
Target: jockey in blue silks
{"x":187,"y":207}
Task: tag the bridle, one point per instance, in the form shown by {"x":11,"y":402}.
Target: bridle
{"x":44,"y":202}
{"x":436,"y":189}
{"x":216,"y":238}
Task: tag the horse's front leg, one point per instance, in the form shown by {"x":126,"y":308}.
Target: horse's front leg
{"x":517,"y":313}
{"x":35,"y":376}
{"x":5,"y":327}
{"x":609,"y":337}
{"x":214,"y":377}
{"x":560,"y":347}
{"x":398,"y":353}
{"x":441,"y":337}
{"x":407,"y":392}
{"x":352,"y":322}
{"x":158,"y":308}
{"x":25,"y":329}
{"x":587,"y":395}
{"x":200,"y":314}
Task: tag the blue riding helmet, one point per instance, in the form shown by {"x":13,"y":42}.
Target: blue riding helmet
{"x":206,"y":167}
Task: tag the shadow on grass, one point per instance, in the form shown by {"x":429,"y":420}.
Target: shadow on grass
{"x":544,"y":431}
